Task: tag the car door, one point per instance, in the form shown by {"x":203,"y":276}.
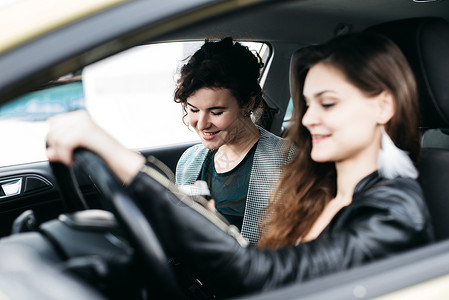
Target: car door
{"x":129,"y":94}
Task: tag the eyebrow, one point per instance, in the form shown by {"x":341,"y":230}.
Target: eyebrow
{"x":209,"y":108}
{"x":316,"y":95}
{"x":324,"y":92}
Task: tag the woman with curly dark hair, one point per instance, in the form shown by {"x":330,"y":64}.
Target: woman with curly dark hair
{"x":241,"y":162}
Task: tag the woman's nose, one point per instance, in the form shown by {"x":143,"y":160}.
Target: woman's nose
{"x":311,"y":116}
{"x":203,"y":121}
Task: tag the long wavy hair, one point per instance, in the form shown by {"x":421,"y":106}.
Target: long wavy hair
{"x":373,"y":64}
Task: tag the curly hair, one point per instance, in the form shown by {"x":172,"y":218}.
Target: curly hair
{"x":223,"y":64}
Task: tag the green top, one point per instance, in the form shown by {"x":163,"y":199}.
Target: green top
{"x":229,"y":189}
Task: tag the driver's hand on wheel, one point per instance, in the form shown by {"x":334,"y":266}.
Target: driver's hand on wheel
{"x":77,"y":129}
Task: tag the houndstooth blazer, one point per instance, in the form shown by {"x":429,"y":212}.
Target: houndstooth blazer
{"x":272,"y":152}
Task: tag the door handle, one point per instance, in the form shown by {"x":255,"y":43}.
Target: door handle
{"x":10,"y":187}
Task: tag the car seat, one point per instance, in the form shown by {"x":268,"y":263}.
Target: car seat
{"x":425,"y":43}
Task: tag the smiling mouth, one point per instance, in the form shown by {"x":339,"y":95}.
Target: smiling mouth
{"x":210,"y":133}
{"x":316,"y":138}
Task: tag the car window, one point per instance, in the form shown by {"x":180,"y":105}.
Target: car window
{"x":288,"y":114}
{"x":129,"y":94}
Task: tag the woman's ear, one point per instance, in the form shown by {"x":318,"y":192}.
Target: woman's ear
{"x":386,"y":107}
{"x":248,"y":109}
{"x":251,"y":103}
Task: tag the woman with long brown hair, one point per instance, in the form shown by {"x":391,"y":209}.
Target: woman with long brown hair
{"x":348,"y":197}
{"x":309,"y":184}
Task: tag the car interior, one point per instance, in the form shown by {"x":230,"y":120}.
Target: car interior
{"x":425,"y":41}
{"x":39,"y":235}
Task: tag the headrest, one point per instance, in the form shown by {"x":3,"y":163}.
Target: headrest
{"x":295,"y":59}
{"x":292,"y":76}
{"x":425,"y":43}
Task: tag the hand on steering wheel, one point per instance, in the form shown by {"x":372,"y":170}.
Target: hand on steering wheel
{"x":159,"y":276}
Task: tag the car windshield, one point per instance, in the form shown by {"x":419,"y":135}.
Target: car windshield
{"x":129,"y":94}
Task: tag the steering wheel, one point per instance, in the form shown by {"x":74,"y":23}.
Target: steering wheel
{"x":159,"y":276}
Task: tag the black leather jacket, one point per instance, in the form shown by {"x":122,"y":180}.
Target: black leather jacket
{"x":385,"y":217}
